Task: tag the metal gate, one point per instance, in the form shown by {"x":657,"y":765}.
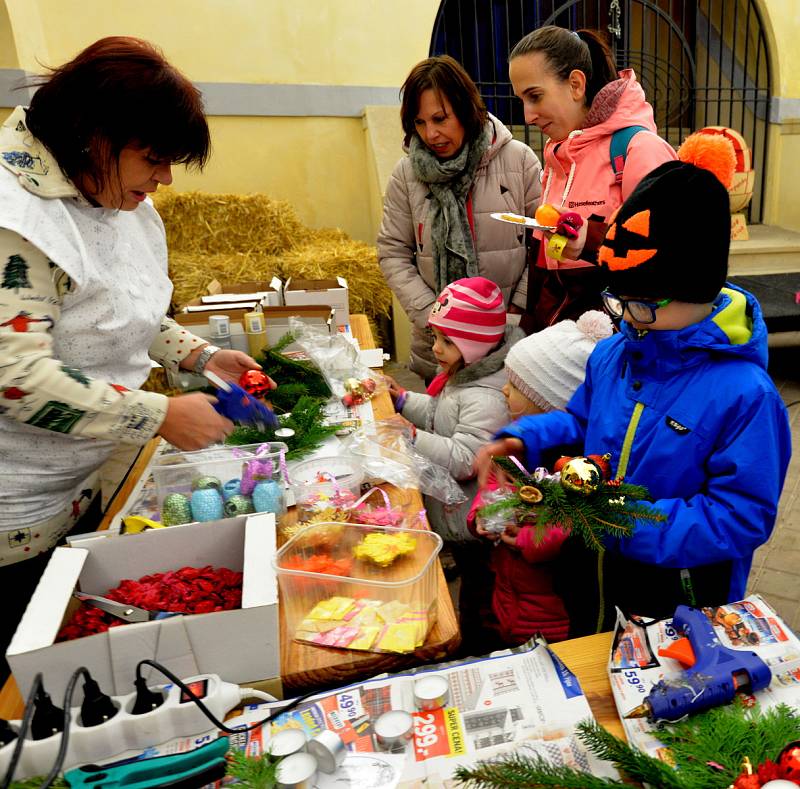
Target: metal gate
{"x":701,"y":62}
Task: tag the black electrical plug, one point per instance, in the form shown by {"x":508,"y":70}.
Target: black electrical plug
{"x":146,"y":699}
{"x":7,"y":732}
{"x":97,"y":706}
{"x":47,"y":718}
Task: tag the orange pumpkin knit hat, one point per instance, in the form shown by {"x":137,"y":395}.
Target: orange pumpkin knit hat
{"x":671,"y":237}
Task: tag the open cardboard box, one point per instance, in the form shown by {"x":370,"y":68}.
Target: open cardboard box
{"x":276,"y":321}
{"x":240,"y":645}
{"x":320,"y":291}
{"x":268,"y":294}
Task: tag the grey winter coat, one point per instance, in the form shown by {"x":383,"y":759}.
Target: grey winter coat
{"x":508,"y":181}
{"x":455,"y":424}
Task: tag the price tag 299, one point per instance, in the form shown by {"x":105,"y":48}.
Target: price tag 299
{"x":430,"y":736}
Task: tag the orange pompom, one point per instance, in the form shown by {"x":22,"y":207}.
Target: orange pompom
{"x":712,"y":152}
{"x":547,"y":216}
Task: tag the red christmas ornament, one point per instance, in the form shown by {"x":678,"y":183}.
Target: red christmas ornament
{"x":789,"y":761}
{"x":602,"y":463}
{"x":255,"y":382}
{"x":560,"y":463}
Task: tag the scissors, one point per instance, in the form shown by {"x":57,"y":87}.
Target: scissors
{"x":128,"y":613}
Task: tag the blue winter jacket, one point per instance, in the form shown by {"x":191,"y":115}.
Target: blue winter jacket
{"x":707,"y":431}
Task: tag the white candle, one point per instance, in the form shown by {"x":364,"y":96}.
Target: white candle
{"x":287,"y":742}
{"x":328,"y":749}
{"x":393,"y":727}
{"x":297,"y":771}
{"x":431,"y":692}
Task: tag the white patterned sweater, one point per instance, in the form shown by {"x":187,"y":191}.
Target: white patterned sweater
{"x":83,"y":297}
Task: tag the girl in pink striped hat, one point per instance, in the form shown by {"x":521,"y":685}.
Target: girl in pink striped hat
{"x":463,"y":408}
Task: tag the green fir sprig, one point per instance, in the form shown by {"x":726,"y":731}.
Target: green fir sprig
{"x":707,"y":750}
{"x":295,"y":377}
{"x":306,"y":419}
{"x":253,"y":772}
{"x":612,"y":509}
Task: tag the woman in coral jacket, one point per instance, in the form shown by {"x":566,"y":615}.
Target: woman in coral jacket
{"x":571,"y":90}
{"x":462,"y":165}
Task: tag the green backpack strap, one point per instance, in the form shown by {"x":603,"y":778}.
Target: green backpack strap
{"x":618,"y":151}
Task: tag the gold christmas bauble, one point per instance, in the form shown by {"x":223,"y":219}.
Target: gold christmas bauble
{"x":581,"y":476}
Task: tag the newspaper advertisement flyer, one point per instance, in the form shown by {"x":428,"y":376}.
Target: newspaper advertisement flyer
{"x":635,"y":664}
{"x":523,"y":700}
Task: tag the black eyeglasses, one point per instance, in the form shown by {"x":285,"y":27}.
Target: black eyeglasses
{"x":641,"y":311}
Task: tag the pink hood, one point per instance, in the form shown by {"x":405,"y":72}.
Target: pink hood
{"x":577,"y":171}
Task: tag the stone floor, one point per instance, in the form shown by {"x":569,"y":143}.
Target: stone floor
{"x":776,"y":565}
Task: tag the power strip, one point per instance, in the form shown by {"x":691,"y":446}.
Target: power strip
{"x":126,"y":733}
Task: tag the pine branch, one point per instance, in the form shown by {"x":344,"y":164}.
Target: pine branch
{"x":306,"y":421}
{"x":253,"y":772}
{"x":35,"y":783}
{"x":520,"y":772}
{"x":725,"y":735}
{"x":633,"y":762}
{"x":612,"y":509}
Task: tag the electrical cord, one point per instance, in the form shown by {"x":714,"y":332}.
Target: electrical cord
{"x":252,"y":693}
{"x":23,"y":730}
{"x":64,"y":742}
{"x":206,"y":711}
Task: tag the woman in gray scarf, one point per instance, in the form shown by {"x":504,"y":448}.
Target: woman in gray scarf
{"x":462,"y":164}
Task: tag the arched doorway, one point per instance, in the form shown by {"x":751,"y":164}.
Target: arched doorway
{"x":701,"y":62}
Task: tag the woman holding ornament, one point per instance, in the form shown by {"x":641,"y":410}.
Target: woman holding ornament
{"x":84,"y":292}
{"x":462,"y":165}
{"x":571,"y":91}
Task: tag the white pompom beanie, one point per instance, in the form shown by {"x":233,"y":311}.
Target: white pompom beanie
{"x":549,"y":366}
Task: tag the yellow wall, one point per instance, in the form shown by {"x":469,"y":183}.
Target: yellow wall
{"x":318,"y":164}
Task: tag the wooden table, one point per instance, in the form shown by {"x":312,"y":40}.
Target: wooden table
{"x":304,"y":665}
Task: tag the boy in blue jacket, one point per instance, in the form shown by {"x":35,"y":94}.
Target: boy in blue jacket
{"x":680,"y":397}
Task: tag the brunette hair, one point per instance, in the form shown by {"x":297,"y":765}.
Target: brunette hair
{"x":585,"y":50}
{"x":446,"y":77}
{"x":117,"y":92}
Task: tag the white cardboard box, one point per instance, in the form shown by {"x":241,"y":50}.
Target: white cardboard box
{"x":320,"y":291}
{"x":268,"y":294}
{"x":240,"y":645}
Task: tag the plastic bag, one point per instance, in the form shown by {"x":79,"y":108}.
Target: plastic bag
{"x":337,"y":358}
{"x":385,"y":451}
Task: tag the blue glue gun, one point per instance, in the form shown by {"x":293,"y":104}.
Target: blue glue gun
{"x":713,"y":673}
{"x":240,"y":406}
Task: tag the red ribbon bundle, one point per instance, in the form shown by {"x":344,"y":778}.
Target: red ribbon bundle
{"x":190,"y":590}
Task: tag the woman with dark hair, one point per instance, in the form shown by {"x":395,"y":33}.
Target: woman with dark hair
{"x":602,"y":141}
{"x":462,"y":165}
{"x":84,"y":292}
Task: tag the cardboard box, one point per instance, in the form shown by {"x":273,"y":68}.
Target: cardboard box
{"x":268,"y":294}
{"x":240,"y":645}
{"x":320,"y":291}
{"x":276,"y":321}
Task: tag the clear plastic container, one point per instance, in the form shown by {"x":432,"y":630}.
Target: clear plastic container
{"x":220,"y":482}
{"x":325,"y":482}
{"x":332,"y":598}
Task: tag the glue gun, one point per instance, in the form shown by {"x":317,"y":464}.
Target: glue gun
{"x":240,"y":406}
{"x":713,"y":672}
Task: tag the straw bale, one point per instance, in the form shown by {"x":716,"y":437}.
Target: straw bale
{"x":191,"y":272}
{"x":234,"y":238}
{"x":227,"y":223}
{"x":331,"y":253}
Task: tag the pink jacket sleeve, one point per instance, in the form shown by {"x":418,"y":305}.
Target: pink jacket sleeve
{"x":543,"y":551}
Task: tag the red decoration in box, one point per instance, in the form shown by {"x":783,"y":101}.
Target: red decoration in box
{"x":190,"y":590}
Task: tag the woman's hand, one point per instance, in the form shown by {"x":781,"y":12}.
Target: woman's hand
{"x":229,"y":365}
{"x":192,"y":423}
{"x":483,"y":459}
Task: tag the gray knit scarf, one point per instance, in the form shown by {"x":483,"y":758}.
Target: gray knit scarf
{"x":454,"y":253}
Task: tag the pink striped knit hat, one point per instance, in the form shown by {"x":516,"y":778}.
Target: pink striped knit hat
{"x":472,"y":313}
